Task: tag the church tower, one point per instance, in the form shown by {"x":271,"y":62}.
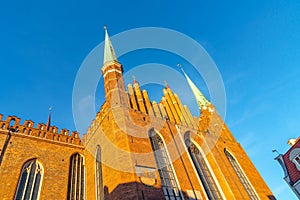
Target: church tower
{"x":112,"y":73}
{"x":158,"y":150}
{"x":135,"y":148}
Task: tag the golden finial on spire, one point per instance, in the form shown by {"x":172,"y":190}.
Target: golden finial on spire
{"x":104,"y":27}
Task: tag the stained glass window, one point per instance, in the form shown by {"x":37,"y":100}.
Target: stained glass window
{"x":76,"y":184}
{"x":241,"y":175}
{"x":204,"y":172}
{"x":30,"y":181}
{"x":166,"y":173}
{"x":99,"y":181}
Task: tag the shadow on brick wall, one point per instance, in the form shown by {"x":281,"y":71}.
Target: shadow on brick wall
{"x":271,"y":197}
{"x":135,"y":190}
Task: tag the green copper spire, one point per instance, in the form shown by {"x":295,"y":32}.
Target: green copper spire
{"x":201,"y":100}
{"x":109,"y":53}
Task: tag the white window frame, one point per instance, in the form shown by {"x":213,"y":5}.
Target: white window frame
{"x":294,"y":155}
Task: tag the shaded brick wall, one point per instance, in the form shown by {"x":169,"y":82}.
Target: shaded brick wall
{"x":54,"y":156}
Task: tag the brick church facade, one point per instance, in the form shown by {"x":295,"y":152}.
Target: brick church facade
{"x":134,"y":149}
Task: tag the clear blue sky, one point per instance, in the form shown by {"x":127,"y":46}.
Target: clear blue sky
{"x":255,"y":45}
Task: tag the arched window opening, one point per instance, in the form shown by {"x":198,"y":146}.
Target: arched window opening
{"x":166,"y":173}
{"x":241,"y":175}
{"x":76,"y":190}
{"x":12,"y":123}
{"x":30,"y":182}
{"x":99,"y":180}
{"x":205,"y":174}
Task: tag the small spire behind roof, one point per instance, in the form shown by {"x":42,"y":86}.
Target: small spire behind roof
{"x":134,"y":79}
{"x":109,"y":52}
{"x":49,"y":119}
{"x":166,"y":84}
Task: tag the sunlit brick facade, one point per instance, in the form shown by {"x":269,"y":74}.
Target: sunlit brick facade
{"x":135,"y":148}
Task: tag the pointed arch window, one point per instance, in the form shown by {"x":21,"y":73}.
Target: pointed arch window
{"x":30,"y":182}
{"x":204,"y":172}
{"x":166,"y":172}
{"x":241,"y":175}
{"x":76,"y":183}
{"x":99,"y":180}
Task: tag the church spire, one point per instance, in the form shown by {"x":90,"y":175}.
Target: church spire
{"x":112,"y":71}
{"x":201,"y":100}
{"x":109,"y":52}
{"x":49,"y":119}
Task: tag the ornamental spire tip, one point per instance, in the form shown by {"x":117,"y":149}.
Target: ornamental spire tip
{"x":109,"y":52}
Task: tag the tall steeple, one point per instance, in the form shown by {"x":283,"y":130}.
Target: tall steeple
{"x":202,"y":102}
{"x":109,"y":52}
{"x":112,"y":72}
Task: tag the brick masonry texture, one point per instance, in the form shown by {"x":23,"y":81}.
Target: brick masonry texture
{"x":121,"y":128}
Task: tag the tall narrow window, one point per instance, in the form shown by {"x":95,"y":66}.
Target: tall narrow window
{"x":241,"y":175}
{"x":30,"y":182}
{"x":204,"y":172}
{"x":76,"y":178}
{"x":166,"y":173}
{"x":99,"y":181}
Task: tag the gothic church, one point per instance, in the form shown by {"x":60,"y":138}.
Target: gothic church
{"x":134,"y":149}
